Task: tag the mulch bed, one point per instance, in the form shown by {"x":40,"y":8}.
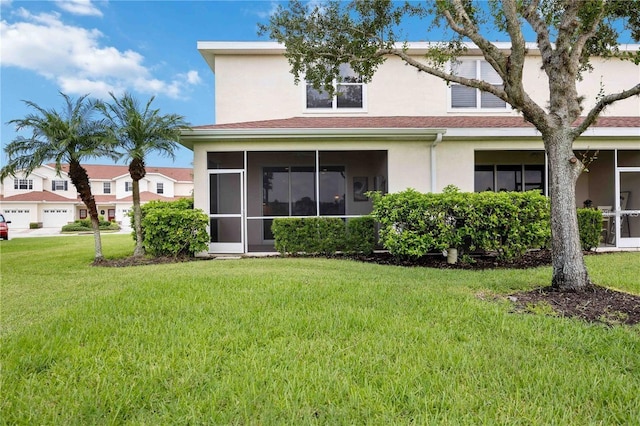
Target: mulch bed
{"x":594,"y":304}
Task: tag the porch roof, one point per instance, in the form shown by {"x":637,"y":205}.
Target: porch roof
{"x":38,"y":196}
{"x":397,"y":128}
{"x":407,"y":122}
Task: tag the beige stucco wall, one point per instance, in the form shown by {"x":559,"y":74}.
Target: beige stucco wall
{"x":261,"y":87}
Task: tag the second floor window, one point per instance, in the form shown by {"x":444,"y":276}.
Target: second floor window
{"x":59,"y":185}
{"x":350,"y":93}
{"x":128,"y":186}
{"x":160,"y":188}
{"x":468,"y":98}
{"x":106,"y":187}
{"x":23,"y":184}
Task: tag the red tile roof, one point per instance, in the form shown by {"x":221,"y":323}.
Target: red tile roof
{"x":402,"y":122}
{"x":39,"y":196}
{"x":108,"y":172}
{"x":146,"y":196}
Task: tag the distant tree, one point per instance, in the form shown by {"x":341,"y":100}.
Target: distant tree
{"x":135,"y":132}
{"x":66,"y":136}
{"x":319,"y":37}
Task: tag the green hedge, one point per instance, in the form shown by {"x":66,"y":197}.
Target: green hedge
{"x":590,"y":225}
{"x":173,"y":228}
{"x":413,"y":224}
{"x":84,"y":225}
{"x":323,"y":235}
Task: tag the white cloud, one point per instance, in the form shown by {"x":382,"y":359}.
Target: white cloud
{"x":4,"y":3}
{"x":76,"y":60}
{"x":264,"y":14}
{"x":79,"y":7}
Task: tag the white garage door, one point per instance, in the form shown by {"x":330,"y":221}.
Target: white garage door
{"x":55,"y":217}
{"x":20,"y":218}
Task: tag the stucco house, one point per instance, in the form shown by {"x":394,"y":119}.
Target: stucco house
{"x":48,"y":199}
{"x":280,"y":149}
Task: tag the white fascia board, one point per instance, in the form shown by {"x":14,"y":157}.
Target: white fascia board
{"x":519,"y":132}
{"x":161,"y":175}
{"x":191,"y":136}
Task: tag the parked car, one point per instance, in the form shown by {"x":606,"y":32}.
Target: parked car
{"x":4,"y":228}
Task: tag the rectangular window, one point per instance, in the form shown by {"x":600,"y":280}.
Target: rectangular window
{"x":128,"y":186}
{"x":23,"y":184}
{"x":83,"y":213}
{"x":349,"y":93}
{"x":509,"y":177}
{"x":468,"y":98}
{"x":59,"y":185}
{"x":106,"y":187}
{"x":160,"y":188}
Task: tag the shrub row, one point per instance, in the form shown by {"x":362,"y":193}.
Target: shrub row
{"x":173,"y":228}
{"x":82,"y":225}
{"x":508,"y":223}
{"x":590,"y":225}
{"x":324,"y":235}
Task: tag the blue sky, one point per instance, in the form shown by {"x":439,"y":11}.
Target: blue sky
{"x":144,"y":47}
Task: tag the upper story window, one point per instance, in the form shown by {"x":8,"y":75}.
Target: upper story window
{"x":128,"y":186}
{"x":59,"y":185}
{"x":160,"y":188}
{"x":468,"y":98}
{"x":350,"y":93}
{"x":23,"y":184}
{"x":106,"y":187}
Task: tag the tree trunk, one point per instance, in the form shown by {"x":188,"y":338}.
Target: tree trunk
{"x":137,"y":219}
{"x":137,"y":172}
{"x":80,"y":180}
{"x":569,"y":269}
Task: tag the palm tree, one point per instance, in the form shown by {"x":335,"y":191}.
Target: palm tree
{"x":136,"y":132}
{"x":66,"y":136}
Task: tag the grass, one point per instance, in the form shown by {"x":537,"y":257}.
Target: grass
{"x":298,"y":341}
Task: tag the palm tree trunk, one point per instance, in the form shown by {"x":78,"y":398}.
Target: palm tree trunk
{"x":137,"y":219}
{"x":80,"y":180}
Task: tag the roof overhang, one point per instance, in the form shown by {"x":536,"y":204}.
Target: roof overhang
{"x":190,"y":137}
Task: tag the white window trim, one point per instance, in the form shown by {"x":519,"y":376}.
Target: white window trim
{"x":450,"y":108}
{"x":128,"y":186}
{"x":334,"y":104}
{"x":104,"y":186}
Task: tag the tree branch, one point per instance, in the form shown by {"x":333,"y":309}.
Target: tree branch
{"x":601,"y":105}
{"x":492,"y":54}
{"x":530,"y":13}
{"x":470,"y":82}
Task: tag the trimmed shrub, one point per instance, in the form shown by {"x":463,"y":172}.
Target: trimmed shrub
{"x":590,"y":226}
{"x":84,"y":225}
{"x":508,"y":223}
{"x":35,"y":225}
{"x":174,"y":228}
{"x":309,"y":235}
{"x":361,"y":235}
{"x":324,"y":235}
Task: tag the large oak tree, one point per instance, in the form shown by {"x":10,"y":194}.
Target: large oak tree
{"x":319,"y":37}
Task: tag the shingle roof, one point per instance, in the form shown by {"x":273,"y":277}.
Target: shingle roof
{"x":108,"y":172}
{"x":406,"y":122}
{"x":39,"y":196}
{"x":149,"y":196}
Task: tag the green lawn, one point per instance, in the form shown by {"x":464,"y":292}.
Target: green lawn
{"x":299,"y":341}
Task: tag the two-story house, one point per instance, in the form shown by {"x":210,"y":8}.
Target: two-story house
{"x":52,"y":201}
{"x":281,"y":149}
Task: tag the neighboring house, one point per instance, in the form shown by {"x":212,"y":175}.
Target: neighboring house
{"x":279,"y":149}
{"x":48,"y":199}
